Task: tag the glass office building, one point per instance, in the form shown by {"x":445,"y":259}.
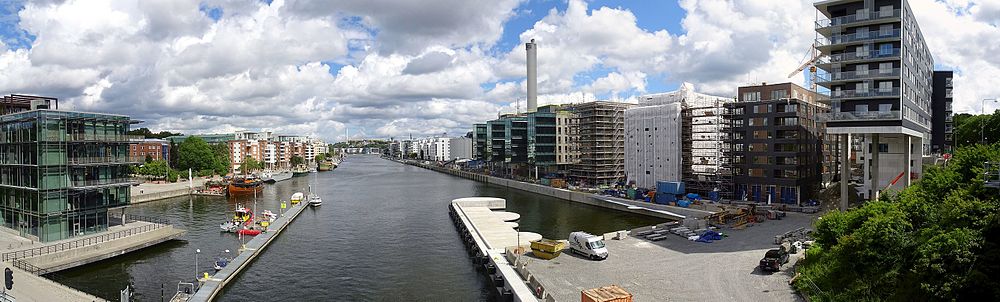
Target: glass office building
{"x":61,"y":172}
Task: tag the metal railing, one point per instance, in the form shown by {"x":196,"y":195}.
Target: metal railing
{"x":103,"y":182}
{"x":860,"y":116}
{"x":853,"y":56}
{"x":853,"y":75}
{"x":857,"y":18}
{"x":82,"y":242}
{"x":105,"y":160}
{"x":88,"y":137}
{"x":855,"y":37}
{"x":846,"y":94}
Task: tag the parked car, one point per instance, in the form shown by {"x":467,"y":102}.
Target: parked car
{"x":773,"y":259}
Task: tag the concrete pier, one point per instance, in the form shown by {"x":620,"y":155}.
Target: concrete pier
{"x":488,"y":237}
{"x":211,"y":287}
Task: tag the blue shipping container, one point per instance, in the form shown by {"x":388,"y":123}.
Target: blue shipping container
{"x":671,"y":187}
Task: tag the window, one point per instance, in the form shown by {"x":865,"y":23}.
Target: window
{"x":761,"y":160}
{"x":787,"y":121}
{"x":861,"y":51}
{"x":779,"y":94}
{"x":861,"y":69}
{"x":861,"y":87}
{"x":761,"y":134}
{"x":861,"y":33}
{"x":751,"y":96}
{"x":756,"y":172}
{"x":883,"y":148}
{"x":885,"y":86}
{"x":758,"y":147}
{"x":861,"y":108}
{"x":885,"y":30}
{"x":885,"y":49}
{"x":760,"y":121}
{"x":885,"y":67}
{"x":884,"y":107}
{"x":885,"y":11}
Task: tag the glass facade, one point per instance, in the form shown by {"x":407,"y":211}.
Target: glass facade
{"x":61,"y":171}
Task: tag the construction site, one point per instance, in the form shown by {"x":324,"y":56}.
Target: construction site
{"x":601,"y":143}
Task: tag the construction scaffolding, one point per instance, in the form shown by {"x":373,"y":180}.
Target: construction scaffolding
{"x":601,"y":143}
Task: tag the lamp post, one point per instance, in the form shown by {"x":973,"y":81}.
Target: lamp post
{"x":196,"y":253}
{"x":982,"y":124}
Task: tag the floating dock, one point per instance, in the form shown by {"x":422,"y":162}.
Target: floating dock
{"x":212,"y":286}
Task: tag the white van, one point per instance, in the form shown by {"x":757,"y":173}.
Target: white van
{"x":588,"y":245}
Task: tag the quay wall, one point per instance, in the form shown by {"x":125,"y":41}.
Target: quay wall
{"x":147,"y":197}
{"x":576,"y":196}
{"x":490,"y":260}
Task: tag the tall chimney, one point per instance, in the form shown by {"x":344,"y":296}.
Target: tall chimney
{"x":531,"y":47}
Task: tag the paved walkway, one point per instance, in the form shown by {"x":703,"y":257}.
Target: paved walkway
{"x":676,"y":269}
{"x":10,"y":242}
{"x":153,"y":188}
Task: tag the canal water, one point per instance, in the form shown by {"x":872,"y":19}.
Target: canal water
{"x":382,"y":234}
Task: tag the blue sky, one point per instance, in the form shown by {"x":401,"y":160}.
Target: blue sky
{"x":397,"y":67}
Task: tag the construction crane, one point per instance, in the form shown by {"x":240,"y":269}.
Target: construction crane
{"x":813,"y":55}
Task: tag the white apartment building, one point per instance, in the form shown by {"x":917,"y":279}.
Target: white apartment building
{"x":460,"y":148}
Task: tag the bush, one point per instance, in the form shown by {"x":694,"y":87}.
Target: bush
{"x":173,"y":176}
{"x":936,"y":240}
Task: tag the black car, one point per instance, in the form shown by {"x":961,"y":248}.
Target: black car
{"x":773,"y":260}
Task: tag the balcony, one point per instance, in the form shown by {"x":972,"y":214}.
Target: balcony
{"x":856,"y":38}
{"x":857,"y":75}
{"x":87,"y":160}
{"x":826,"y":26}
{"x":853,"y":57}
{"x":859,"y":94}
{"x":859,"y":116}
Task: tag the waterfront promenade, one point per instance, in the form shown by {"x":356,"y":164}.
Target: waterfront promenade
{"x":147,"y":192}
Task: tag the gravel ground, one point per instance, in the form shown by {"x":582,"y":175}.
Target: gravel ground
{"x":676,"y":269}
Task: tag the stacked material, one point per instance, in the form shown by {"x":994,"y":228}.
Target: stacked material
{"x":612,"y":293}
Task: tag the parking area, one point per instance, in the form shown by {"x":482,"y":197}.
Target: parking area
{"x":676,"y":269}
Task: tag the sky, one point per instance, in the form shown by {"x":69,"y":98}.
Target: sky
{"x":395,"y":68}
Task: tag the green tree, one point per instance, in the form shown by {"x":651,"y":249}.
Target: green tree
{"x":297,"y":160}
{"x":250,"y":165}
{"x":195,"y":153}
{"x":157,"y":168}
{"x":321,"y":157}
{"x":939,"y":239}
{"x":222,"y":161}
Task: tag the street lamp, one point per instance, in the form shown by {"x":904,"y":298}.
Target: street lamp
{"x":196,"y":253}
{"x":982,"y":124}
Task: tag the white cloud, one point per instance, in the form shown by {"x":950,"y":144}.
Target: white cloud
{"x":394,"y":67}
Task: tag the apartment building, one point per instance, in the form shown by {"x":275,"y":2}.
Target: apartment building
{"x":879,"y":73}
{"x":601,"y":142}
{"x":61,"y":172}
{"x":567,"y":136}
{"x":777,"y":144}
{"x":942,"y":127}
{"x":154,"y":149}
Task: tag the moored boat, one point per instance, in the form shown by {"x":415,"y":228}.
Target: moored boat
{"x":297,"y":197}
{"x":245,"y":186}
{"x":315,"y":201}
{"x":242,"y":217}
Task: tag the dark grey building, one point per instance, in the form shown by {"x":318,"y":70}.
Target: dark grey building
{"x":777,"y":146}
{"x":878,"y":70}
{"x":942,"y":138}
{"x":517,"y":142}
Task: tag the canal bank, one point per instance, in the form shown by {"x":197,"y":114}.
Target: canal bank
{"x":620,"y":204}
{"x":383,"y":230}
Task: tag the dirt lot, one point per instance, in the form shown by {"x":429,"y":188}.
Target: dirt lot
{"x":676,"y":269}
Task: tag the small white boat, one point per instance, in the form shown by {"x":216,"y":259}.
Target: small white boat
{"x":270,"y":216}
{"x":315,"y":201}
{"x":297,"y":197}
